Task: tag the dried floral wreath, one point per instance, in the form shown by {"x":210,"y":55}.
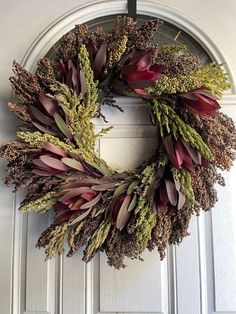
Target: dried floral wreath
{"x":54,"y":155}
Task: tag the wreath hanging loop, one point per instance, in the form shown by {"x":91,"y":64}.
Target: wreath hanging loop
{"x":54,"y":154}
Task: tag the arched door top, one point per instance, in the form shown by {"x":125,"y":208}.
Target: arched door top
{"x":98,"y":8}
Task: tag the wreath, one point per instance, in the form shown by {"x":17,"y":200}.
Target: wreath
{"x":54,"y":154}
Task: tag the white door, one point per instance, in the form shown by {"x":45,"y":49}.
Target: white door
{"x":197,"y":277}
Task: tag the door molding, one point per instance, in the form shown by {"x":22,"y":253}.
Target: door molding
{"x":98,"y":8}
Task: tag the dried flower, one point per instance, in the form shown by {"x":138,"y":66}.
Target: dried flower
{"x":140,"y":73}
{"x":182,"y":154}
{"x":200,"y":101}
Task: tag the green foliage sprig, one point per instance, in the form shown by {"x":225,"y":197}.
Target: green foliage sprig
{"x":210,"y":77}
{"x":41,"y":204}
{"x":169,"y":122}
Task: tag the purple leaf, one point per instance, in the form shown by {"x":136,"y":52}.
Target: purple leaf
{"x":177,"y":184}
{"x":204,"y":93}
{"x":92,"y":202}
{"x":62,"y":67}
{"x":63,"y":217}
{"x":120,"y":175}
{"x":40,"y":164}
{"x":163,"y":194}
{"x":193,"y":153}
{"x":54,"y":163}
{"x":40,"y":116}
{"x":92,"y":167}
{"x":75,"y":192}
{"x":183,"y":155}
{"x":189,"y":96}
{"x":88,"y":196}
{"x":171,"y":192}
{"x":42,"y":128}
{"x":80,"y":182}
{"x":170,"y":150}
{"x":205,"y":163}
{"x":74,"y":76}
{"x":81,"y":216}
{"x":114,"y":207}
{"x":49,"y":104}
{"x":41,"y":173}
{"x":59,"y":206}
{"x":100,"y":59}
{"x":180,"y":152}
{"x":53,"y":149}
{"x":69,"y":79}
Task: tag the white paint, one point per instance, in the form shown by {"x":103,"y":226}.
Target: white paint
{"x":199,"y":276}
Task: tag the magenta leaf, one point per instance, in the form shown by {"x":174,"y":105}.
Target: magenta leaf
{"x":193,"y":153}
{"x":41,"y":173}
{"x":63,"y":217}
{"x":100,"y":59}
{"x":163,"y":194}
{"x":42,"y":128}
{"x":88,"y":196}
{"x":53,"y":149}
{"x":62,"y":67}
{"x":40,"y":116}
{"x":49,"y":104}
{"x":167,"y":140}
{"x":54,"y":163}
{"x":43,"y":166}
{"x":81,"y":216}
{"x":74,"y":76}
{"x":171,"y":192}
{"x":75,"y":192}
{"x":92,"y":202}
{"x":204,"y":93}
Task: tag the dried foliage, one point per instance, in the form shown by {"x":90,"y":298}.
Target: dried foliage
{"x":55,"y":157}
